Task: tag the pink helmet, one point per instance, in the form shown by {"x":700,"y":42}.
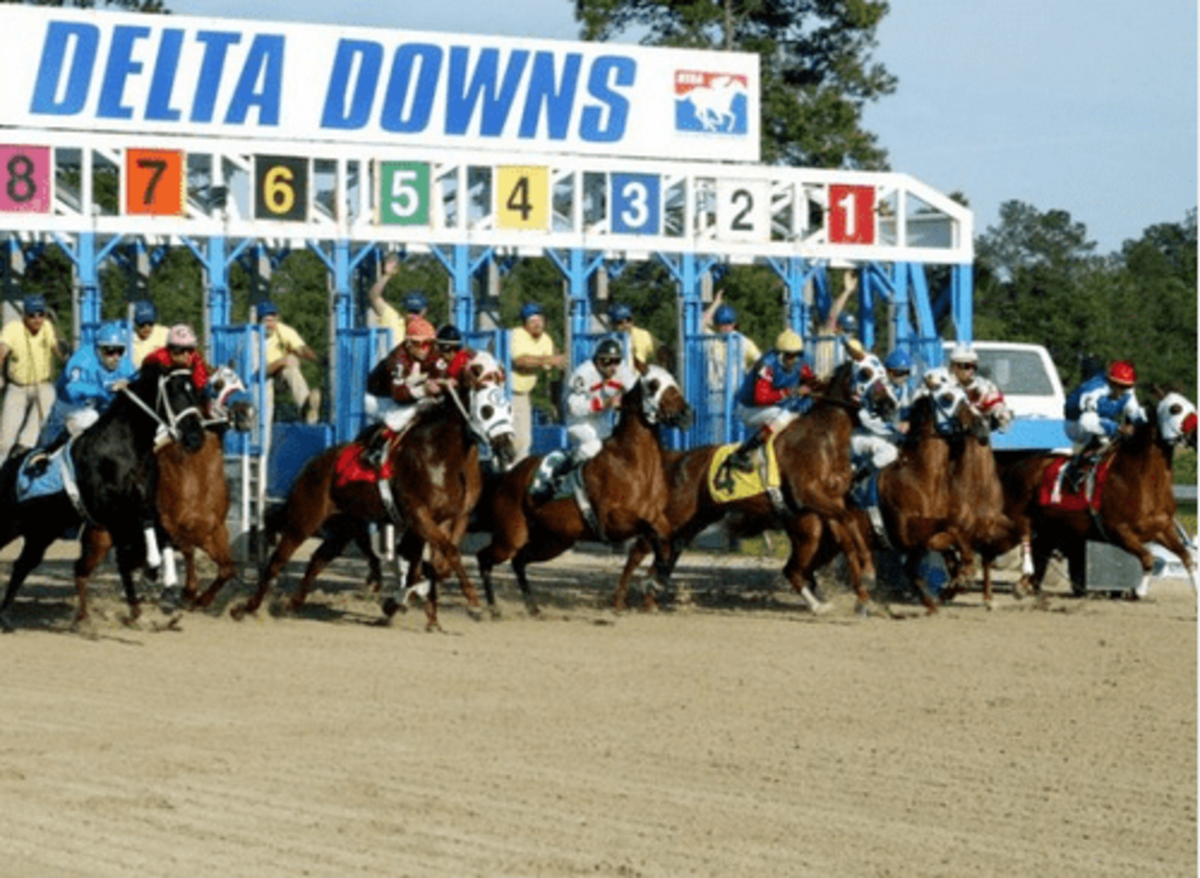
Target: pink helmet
{"x":420,"y":329}
{"x":1123,"y":373}
{"x":181,"y":336}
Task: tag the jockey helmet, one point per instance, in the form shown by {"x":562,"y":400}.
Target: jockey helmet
{"x":144,"y":312}
{"x":1123,"y":373}
{"x":34,"y":304}
{"x":789,"y":342}
{"x":530,"y":309}
{"x":419,"y":329}
{"x":608,"y":349}
{"x":181,"y":336}
{"x":898,"y":361}
{"x":846,"y":322}
{"x":449,"y":336}
{"x":415,"y":302}
{"x":267,"y":308}
{"x":725,"y":315}
{"x":110,"y":336}
{"x":854,"y":347}
{"x":618,"y":313}
{"x":963,"y":354}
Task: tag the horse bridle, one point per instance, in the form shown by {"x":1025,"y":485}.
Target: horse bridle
{"x":168,"y":428}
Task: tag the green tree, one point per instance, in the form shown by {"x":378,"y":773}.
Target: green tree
{"x":817,"y":71}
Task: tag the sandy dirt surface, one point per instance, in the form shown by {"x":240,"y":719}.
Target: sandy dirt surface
{"x":744,"y":736}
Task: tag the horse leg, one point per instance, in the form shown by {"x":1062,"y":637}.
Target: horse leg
{"x":32,"y":552}
{"x":216,"y":546}
{"x":93,"y":545}
{"x":288,"y":544}
{"x":804,"y":533}
{"x":362,"y":539}
{"x":128,"y":561}
{"x":637,"y":554}
{"x":1124,"y":537}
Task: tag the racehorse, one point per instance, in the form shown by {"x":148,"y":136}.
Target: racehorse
{"x":814,"y":464}
{"x":624,"y":486}
{"x":434,"y":481}
{"x":1133,"y":502}
{"x":193,"y":494}
{"x":113,"y":481}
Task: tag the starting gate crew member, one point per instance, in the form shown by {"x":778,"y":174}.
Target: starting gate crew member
{"x":28,"y":348}
{"x":641,"y":342}
{"x":594,"y":394}
{"x":148,"y":334}
{"x":883,"y":418}
{"x":722,"y":319}
{"x":1096,"y":410}
{"x":773,"y":394}
{"x":838,"y":321}
{"x":983,"y":394}
{"x":285,"y":350}
{"x":532,"y":351}
{"x":180,"y":353}
{"x":385,"y":315}
{"x":88,"y":384}
{"x":408,"y":381}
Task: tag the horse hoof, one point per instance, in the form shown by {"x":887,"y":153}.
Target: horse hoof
{"x":475,"y":614}
{"x":862,"y":610}
{"x":237,"y":612}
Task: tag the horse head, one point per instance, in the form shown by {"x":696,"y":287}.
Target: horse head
{"x":490,"y":410}
{"x":229,"y":402}
{"x":945,"y":411}
{"x":662,"y":400}
{"x":1177,"y":420}
{"x":170,"y":397}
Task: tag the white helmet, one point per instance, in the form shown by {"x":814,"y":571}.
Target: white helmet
{"x":963,"y":354}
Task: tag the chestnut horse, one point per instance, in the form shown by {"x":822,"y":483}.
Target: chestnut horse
{"x":813,"y":454}
{"x":435,"y":483}
{"x":192,"y":497}
{"x":1135,"y":506}
{"x":625,"y":485}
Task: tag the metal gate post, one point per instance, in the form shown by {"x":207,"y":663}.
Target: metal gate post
{"x":961,"y":303}
{"x":577,"y":269}
{"x":795,"y":274}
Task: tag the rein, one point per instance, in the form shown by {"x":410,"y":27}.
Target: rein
{"x":168,"y":426}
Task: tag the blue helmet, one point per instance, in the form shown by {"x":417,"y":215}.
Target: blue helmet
{"x":110,"y":335}
{"x":144,"y":312}
{"x":415,"y":302}
{"x":847,"y":322}
{"x":35,"y":304}
{"x":530,"y":309}
{"x":725,"y":314}
{"x":266,"y":308}
{"x":620,"y":312}
{"x":899,"y":361}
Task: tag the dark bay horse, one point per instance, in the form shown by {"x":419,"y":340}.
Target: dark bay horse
{"x":192,"y":495}
{"x":1135,"y":506}
{"x":114,"y":479}
{"x":435,"y":483}
{"x":625,"y":486}
{"x":813,"y":454}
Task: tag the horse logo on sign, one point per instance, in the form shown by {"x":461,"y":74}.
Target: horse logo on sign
{"x":711,"y":103}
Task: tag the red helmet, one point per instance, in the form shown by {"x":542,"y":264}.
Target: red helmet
{"x":419,"y":329}
{"x":1122,"y":372}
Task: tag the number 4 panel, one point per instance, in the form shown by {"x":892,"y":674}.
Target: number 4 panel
{"x":154,"y":182}
{"x":25,"y":173}
{"x":522,"y":197}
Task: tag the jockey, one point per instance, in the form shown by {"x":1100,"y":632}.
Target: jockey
{"x":453,"y":353}
{"x":773,"y":394}
{"x":883,"y":418}
{"x":982,"y":393}
{"x":1096,"y":411}
{"x":181,"y":353}
{"x":90,"y":381}
{"x":408,"y":381}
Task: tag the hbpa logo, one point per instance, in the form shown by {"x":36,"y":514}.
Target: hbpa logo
{"x":712,"y":103}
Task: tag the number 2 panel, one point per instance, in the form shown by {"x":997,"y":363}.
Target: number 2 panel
{"x":24,"y":179}
{"x":743,"y":210}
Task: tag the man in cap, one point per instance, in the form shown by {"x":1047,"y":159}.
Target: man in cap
{"x":148,"y":334}
{"x":28,"y":349}
{"x":285,"y":350}
{"x":641,"y":344}
{"x":533,"y":354}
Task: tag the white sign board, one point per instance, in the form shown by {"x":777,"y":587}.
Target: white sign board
{"x":115,"y":72}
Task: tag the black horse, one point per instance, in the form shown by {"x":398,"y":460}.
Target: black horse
{"x":114,"y":480}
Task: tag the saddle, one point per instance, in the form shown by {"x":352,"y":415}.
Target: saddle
{"x":727,"y":483}
{"x":1060,"y":490}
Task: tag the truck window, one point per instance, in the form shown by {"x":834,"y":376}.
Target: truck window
{"x":1016,"y":372}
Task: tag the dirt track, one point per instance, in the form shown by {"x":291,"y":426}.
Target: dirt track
{"x":745,"y":737}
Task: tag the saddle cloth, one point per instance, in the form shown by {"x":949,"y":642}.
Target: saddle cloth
{"x":350,"y":467}
{"x":765,"y":475}
{"x":1073,"y":500}
{"x":51,"y":481}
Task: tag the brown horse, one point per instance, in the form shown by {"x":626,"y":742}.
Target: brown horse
{"x":813,"y":454}
{"x":1136,"y":505}
{"x":435,"y":485}
{"x":192,"y":496}
{"x":624,"y":484}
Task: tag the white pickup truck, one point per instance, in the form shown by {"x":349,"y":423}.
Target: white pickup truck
{"x":1026,"y":376}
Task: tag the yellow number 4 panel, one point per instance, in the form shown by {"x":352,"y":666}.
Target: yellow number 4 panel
{"x":522,"y":197}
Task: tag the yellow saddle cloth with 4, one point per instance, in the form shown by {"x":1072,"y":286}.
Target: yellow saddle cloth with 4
{"x":729,"y":484}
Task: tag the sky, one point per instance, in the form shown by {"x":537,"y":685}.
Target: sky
{"x":1087,"y":106}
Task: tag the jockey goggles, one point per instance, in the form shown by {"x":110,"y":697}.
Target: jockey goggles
{"x":112,"y":350}
{"x":608,"y":361}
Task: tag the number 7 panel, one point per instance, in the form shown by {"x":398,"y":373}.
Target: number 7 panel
{"x":154,"y":182}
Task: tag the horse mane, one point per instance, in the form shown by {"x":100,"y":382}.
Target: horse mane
{"x":922,"y":421}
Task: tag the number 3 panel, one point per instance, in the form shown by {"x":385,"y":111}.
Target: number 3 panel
{"x":154,"y":182}
{"x":636,"y":204}
{"x":743,"y":210}
{"x":24,"y":179}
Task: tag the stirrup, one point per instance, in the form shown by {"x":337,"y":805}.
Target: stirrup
{"x":37,"y":464}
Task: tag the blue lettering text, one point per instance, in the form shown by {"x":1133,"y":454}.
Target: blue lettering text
{"x":462,"y":99}
{"x":260,"y":82}
{"x":558,"y":101}
{"x":597,"y":125}
{"x":406,"y":107}
{"x":355,"y":113}
{"x":79,"y":41}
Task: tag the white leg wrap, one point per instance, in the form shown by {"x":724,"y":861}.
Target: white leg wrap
{"x":810,"y":599}
{"x":1026,"y":558}
{"x":153,"y":558}
{"x":1143,"y":587}
{"x":170,"y":576}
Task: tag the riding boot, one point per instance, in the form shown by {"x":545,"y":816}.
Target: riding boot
{"x":549,"y":487}
{"x":375,"y":445}
{"x":39,"y":458}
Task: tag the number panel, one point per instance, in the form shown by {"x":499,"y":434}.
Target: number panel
{"x":522,"y":197}
{"x":154,"y":182}
{"x":635,"y":202}
{"x":25,"y":179}
{"x":743,"y":210}
{"x":281,"y":188}
{"x":851,"y":214}
{"x":403,"y":194}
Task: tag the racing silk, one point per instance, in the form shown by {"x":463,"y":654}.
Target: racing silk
{"x":885,"y":404}
{"x":1097,"y":412}
{"x":768,"y":382}
{"x":458,"y":362}
{"x":403,"y":378}
{"x":588,"y":422}
{"x":200,"y":374}
{"x":85,"y":381}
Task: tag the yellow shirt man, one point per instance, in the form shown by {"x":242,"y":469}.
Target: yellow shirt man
{"x":522,"y":344}
{"x":156,"y":338}
{"x":30,"y":357}
{"x":28,"y":349}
